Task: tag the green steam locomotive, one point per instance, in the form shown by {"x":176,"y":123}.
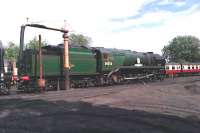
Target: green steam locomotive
{"x":89,"y":66}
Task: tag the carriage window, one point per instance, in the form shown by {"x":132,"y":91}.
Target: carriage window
{"x":192,"y":67}
{"x":173,"y":67}
{"x":188,"y":67}
{"x":167,"y":67}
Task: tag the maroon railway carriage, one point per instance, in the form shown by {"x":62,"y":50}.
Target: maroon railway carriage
{"x":182,"y":68}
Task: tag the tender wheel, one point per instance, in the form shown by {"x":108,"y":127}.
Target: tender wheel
{"x":3,"y":89}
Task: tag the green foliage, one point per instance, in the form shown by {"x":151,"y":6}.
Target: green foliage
{"x":34,"y":43}
{"x":183,"y":49}
{"x":11,"y":51}
{"x":79,"y":39}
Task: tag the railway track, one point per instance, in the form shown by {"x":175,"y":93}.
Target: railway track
{"x":73,"y":94}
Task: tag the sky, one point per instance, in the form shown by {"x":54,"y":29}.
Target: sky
{"x":138,"y":25}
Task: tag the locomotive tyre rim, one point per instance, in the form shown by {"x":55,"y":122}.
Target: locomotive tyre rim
{"x":3,"y":89}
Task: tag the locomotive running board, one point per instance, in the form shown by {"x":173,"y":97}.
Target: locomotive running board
{"x":142,"y":77}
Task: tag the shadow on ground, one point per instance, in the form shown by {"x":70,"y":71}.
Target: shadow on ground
{"x":22,"y":116}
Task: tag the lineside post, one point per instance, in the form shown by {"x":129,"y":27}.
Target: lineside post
{"x":66,"y":61}
{"x":41,"y":80}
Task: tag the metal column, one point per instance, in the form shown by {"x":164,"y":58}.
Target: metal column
{"x":66,"y":61}
{"x":41,"y":80}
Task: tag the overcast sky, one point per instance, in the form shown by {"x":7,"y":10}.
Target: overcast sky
{"x":138,"y":25}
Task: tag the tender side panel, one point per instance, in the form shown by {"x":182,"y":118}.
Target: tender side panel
{"x":82,"y":61}
{"x":51,"y":65}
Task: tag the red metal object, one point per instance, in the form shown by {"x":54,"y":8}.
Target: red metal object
{"x":172,"y":71}
{"x":14,"y":78}
{"x":25,"y":78}
{"x":191,"y":71}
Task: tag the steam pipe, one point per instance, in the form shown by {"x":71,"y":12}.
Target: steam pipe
{"x":45,"y":27}
{"x":23,"y":27}
{"x":1,"y":58}
{"x":40,"y":58}
{"x":21,"y":42}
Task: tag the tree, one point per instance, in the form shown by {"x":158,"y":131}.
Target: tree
{"x":182,"y":48}
{"x":79,"y":39}
{"x":11,"y":51}
{"x":34,"y":43}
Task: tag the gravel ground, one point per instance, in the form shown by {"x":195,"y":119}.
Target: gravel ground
{"x":170,"y":106}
